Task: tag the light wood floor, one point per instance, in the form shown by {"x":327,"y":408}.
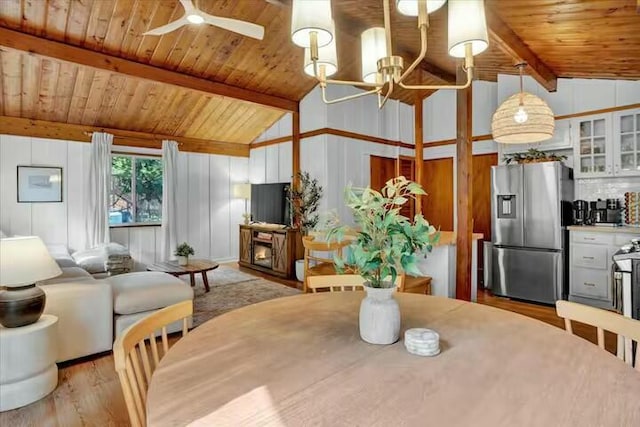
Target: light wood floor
{"x":88,"y":392}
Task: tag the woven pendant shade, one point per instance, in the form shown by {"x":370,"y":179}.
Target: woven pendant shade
{"x":538,"y":127}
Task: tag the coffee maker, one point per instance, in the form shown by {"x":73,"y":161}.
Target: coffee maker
{"x":606,"y":212}
{"x":581,"y":213}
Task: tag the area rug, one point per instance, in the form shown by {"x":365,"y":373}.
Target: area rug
{"x":231,"y":289}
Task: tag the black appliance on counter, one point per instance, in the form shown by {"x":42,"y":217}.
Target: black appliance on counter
{"x":606,"y":212}
{"x":581,"y":213}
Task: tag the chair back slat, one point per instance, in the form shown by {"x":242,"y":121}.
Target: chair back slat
{"x":144,"y":356}
{"x":603,"y":320}
{"x":135,"y":364}
{"x":137,"y":370}
{"x":154,"y":349}
{"x":340,"y":282}
{"x":165,"y":341}
{"x":138,"y":405}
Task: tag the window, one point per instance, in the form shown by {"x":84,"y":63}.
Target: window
{"x":136,"y":190}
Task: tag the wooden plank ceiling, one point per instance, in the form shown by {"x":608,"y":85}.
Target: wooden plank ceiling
{"x":573,"y":38}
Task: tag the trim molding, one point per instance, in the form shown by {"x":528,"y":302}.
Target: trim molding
{"x":601,"y":111}
{"x":81,"y":133}
{"x":336,"y":132}
{"x":362,"y":137}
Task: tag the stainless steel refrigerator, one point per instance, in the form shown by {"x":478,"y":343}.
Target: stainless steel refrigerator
{"x":531,"y":208}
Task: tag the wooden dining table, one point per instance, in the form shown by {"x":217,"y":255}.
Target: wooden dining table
{"x":299,"y":361}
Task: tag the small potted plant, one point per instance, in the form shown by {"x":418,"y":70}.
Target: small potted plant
{"x":183,"y":252}
{"x":387,"y":244}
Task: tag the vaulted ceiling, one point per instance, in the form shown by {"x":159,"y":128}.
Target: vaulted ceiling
{"x":560,"y":38}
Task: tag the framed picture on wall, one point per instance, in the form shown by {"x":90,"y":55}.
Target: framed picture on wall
{"x":39,"y":184}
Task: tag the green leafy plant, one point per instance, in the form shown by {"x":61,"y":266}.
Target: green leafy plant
{"x":532,"y":156}
{"x":387,"y":242}
{"x":304,"y":199}
{"x":184,"y":250}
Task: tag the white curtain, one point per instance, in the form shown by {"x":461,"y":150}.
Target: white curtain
{"x":169,"y":198}
{"x":98,"y":189}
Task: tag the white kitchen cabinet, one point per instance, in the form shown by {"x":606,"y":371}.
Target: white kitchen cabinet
{"x":590,"y":253}
{"x":626,"y":142}
{"x":592,"y":146}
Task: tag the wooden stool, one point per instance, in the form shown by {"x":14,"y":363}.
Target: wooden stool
{"x":417,"y":285}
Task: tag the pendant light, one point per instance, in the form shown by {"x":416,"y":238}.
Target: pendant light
{"x":327,"y":57}
{"x":523,"y":118}
{"x":467,"y":24}
{"x":374,"y":47}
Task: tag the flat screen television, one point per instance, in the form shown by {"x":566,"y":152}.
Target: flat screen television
{"x":269,"y":203}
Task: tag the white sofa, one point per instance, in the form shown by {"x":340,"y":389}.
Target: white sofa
{"x":88,"y":308}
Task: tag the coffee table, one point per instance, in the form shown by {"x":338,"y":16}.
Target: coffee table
{"x":195,"y":266}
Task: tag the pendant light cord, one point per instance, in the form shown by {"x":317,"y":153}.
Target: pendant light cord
{"x":521,"y":66}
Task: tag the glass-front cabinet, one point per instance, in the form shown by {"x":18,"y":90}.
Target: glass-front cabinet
{"x":626,"y":142}
{"x":592,"y":146}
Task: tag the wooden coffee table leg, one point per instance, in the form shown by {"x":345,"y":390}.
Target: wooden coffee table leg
{"x":192,"y":276}
{"x":205,"y":279}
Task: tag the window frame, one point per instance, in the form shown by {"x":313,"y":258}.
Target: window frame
{"x":134,"y":210}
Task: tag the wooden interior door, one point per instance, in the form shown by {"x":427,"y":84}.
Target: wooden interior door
{"x":383,"y":169}
{"x":437,"y":181}
{"x":481,"y":194}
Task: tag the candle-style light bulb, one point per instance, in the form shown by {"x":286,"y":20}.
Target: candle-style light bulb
{"x":520,"y":116}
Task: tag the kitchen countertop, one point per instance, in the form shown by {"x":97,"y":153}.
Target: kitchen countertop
{"x":446,"y":237}
{"x":604,"y":229}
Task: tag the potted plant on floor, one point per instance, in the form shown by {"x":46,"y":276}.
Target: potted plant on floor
{"x":183,"y":252}
{"x":304,"y":199}
{"x":387,"y":244}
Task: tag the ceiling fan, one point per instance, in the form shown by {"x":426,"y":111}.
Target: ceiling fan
{"x":193,"y":15}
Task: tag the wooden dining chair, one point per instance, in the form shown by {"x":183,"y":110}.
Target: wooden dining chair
{"x":342,"y":282}
{"x":132,"y":348}
{"x":603,"y":320}
{"x":317,"y":265}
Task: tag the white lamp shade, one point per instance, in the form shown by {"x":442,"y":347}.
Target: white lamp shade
{"x":467,"y":24}
{"x":24,"y":261}
{"x":374,"y":47}
{"x":539,"y":124}
{"x":308,"y":16}
{"x":410,"y":7}
{"x":242,"y":191}
{"x":327,"y":56}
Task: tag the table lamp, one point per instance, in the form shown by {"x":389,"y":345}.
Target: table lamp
{"x":243,"y":191}
{"x":23,"y":262}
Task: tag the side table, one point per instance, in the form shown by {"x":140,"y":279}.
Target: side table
{"x":28,"y":370}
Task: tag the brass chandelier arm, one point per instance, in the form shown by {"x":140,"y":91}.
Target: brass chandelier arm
{"x":320,"y":76}
{"x":386,"y":97}
{"x":423,"y":53}
{"x":345,"y":98}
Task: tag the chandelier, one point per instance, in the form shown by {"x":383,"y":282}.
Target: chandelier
{"x":313,"y":28}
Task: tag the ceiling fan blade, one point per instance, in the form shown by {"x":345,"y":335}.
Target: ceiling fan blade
{"x":188,"y":6}
{"x":241,"y":27}
{"x":171,"y":26}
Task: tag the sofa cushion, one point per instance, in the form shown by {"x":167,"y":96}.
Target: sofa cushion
{"x":61,"y":255}
{"x":147,"y":290}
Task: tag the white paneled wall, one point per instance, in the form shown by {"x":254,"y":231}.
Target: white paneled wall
{"x":59,"y":223}
{"x":208,"y":216}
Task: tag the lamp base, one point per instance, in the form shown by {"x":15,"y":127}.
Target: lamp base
{"x":21,"y":306}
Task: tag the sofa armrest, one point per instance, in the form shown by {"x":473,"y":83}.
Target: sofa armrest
{"x":85,"y":317}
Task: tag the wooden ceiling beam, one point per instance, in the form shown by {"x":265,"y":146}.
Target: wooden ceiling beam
{"x":513,"y":46}
{"x":77,"y":55}
{"x":81,"y":133}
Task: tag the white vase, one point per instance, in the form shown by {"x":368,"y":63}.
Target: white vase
{"x":300,"y":270}
{"x":183,"y":260}
{"x":379,"y":316}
